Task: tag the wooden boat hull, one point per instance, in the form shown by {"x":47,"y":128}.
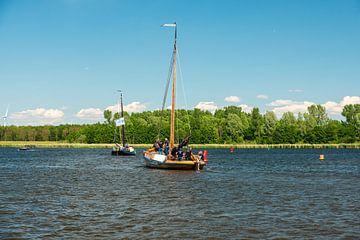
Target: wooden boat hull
{"x":150,"y":162}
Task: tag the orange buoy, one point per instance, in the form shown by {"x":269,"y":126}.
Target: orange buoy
{"x":322,"y":157}
{"x":205,"y":155}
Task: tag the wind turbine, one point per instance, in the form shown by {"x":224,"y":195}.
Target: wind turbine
{"x":6,"y":116}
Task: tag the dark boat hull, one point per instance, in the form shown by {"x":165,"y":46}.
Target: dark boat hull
{"x":122,"y":153}
{"x":24,"y":149}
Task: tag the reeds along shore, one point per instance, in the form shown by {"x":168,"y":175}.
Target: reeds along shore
{"x":39,"y":144}
{"x":340,"y":145}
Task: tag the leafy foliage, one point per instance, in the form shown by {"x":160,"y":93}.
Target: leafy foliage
{"x":228,"y":125}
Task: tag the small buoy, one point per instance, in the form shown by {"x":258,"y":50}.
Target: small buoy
{"x":322,"y":157}
{"x":205,"y":155}
{"x":231,"y":149}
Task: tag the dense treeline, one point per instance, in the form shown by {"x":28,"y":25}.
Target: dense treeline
{"x":228,"y":125}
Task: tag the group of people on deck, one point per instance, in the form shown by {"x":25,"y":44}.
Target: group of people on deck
{"x":162,"y":147}
{"x":177,"y":152}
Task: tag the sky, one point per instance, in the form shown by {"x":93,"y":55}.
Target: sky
{"x":63,"y":61}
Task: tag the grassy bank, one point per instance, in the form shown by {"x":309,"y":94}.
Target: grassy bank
{"x":48,"y":144}
{"x":341,"y":145}
{"x":39,"y":144}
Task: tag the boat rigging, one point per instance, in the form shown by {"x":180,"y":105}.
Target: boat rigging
{"x":166,"y":155}
{"x":123,"y":149}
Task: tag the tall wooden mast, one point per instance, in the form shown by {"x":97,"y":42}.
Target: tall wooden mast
{"x":173,"y":96}
{"x":122,"y":133}
{"x":123,"y":126}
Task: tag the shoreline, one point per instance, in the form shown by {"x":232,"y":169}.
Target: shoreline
{"x":48,"y":144}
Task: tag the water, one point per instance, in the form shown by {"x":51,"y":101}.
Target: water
{"x":254,"y":193}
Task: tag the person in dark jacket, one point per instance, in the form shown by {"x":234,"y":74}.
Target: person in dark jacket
{"x":188,"y":154}
{"x":184,"y":142}
{"x":166,"y":146}
{"x":174,"y":152}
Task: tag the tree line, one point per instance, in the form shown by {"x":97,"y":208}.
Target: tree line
{"x":228,"y":125}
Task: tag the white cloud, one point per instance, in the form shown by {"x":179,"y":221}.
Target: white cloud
{"x":207,"y":106}
{"x":246,"y":108}
{"x":282,"y":106}
{"x":261,"y":96}
{"x":232,"y":99}
{"x":334,"y":108}
{"x":135,"y":107}
{"x":90,"y":113}
{"x":350,"y":100}
{"x":295,"y":90}
{"x":130,"y":108}
{"x":280,"y":102}
{"x":38,"y":116}
{"x":114,"y":108}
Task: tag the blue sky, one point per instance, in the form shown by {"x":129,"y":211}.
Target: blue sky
{"x":62,"y":61}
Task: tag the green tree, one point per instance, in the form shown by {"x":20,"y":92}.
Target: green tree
{"x":286,"y":129}
{"x":257,"y":126}
{"x":235,"y":128}
{"x":350,"y":112}
{"x":108,"y":116}
{"x":270,"y":121}
{"x":318,"y":112}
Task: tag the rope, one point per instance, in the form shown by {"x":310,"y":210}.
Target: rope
{"x":115,"y":133}
{"x":184,"y":95}
{"x":170,"y":73}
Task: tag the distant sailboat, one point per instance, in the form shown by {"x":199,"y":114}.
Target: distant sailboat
{"x":123,"y":149}
{"x":169,"y":156}
{"x":25,"y":148}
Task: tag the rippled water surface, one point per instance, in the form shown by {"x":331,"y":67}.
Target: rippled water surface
{"x":253,"y":193}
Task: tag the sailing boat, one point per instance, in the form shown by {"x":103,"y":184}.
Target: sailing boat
{"x":172,"y":157}
{"x":123,"y":149}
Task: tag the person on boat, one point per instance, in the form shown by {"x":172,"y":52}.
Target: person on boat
{"x":174,"y":152}
{"x":166,"y":146}
{"x":116,"y":147}
{"x":156,"y":145}
{"x":160,"y":147}
{"x":180,"y":152}
{"x":188,"y":154}
{"x":184,"y":142}
{"x":201,"y":155}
